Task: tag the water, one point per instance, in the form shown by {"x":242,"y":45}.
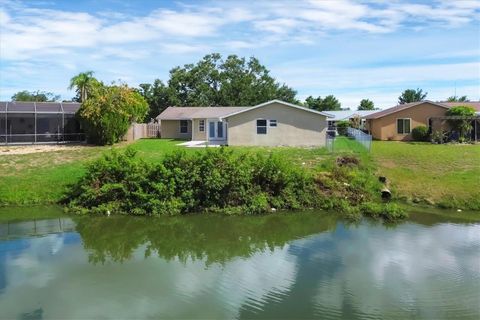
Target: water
{"x":307,"y":265}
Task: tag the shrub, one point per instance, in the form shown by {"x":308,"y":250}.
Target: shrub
{"x":108,"y":112}
{"x":216,"y":180}
{"x":420,"y":133}
{"x":463,"y":125}
{"x":342,"y":127}
{"x":223,"y":181}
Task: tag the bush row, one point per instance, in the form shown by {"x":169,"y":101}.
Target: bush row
{"x":220,"y":180}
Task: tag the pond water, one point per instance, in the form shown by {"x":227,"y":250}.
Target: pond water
{"x":302,"y":265}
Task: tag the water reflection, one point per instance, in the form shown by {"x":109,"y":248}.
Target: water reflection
{"x":207,"y":238}
{"x":280,"y":266}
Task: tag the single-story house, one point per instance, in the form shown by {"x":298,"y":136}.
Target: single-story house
{"x":396,"y":123}
{"x":347,"y":115}
{"x":273,"y":123}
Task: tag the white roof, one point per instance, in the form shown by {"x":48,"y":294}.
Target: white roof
{"x":348,"y":114}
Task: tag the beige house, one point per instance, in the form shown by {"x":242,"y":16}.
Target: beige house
{"x":273,"y":123}
{"x":396,"y":123}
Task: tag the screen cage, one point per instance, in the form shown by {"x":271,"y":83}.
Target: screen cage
{"x":39,"y":122}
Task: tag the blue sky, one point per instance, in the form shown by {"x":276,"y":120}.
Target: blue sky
{"x":352,"y":49}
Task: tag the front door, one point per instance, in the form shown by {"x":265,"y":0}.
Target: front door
{"x":217,"y":130}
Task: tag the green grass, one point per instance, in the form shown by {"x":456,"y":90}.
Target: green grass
{"x":418,"y":171}
{"x":43,"y":178}
{"x":447,"y":174}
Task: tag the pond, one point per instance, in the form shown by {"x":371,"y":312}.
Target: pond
{"x":298,"y":265}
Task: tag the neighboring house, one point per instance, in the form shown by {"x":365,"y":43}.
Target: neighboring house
{"x":273,"y":123}
{"x":396,"y":123}
{"x":347,"y":115}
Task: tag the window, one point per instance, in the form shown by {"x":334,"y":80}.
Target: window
{"x":273,"y":123}
{"x":403,"y":126}
{"x":183,"y":126}
{"x":261,"y":126}
{"x":201,"y":125}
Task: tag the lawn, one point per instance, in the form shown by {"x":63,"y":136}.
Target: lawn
{"x":417,"y":171}
{"x":443,"y":174}
{"x":42,"y":178}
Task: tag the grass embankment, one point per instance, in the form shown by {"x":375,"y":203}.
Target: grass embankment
{"x":446,"y":175}
{"x":443,"y":175}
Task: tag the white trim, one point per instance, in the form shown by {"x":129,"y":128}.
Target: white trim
{"x":279,"y":102}
{"x":410,"y":126}
{"x":270,"y":123}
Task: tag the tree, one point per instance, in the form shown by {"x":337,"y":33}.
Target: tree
{"x":157,"y":96}
{"x":461,"y":120}
{"x":37,"y":96}
{"x":109,"y":111}
{"x":457,"y":99}
{"x":83,"y":84}
{"x":214,"y":81}
{"x":412,"y":95}
{"x":328,"y":103}
{"x":366,"y":104}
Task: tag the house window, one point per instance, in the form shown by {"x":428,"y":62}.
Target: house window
{"x":261,"y":126}
{"x":403,"y":126}
{"x":183,"y":126}
{"x":201,"y":125}
{"x":273,"y":123}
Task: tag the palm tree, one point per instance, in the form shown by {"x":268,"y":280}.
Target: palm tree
{"x":82,"y":82}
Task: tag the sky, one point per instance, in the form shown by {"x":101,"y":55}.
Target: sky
{"x":351,"y":49}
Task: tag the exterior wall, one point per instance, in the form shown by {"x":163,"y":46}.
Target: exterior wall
{"x":385,"y":128}
{"x":198,"y":135}
{"x":170,"y":129}
{"x":295,"y":127}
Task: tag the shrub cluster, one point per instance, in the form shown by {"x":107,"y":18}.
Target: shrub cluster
{"x":216,"y":180}
{"x":420,"y":133}
{"x":223,"y":181}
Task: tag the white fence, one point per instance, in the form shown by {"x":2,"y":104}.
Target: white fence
{"x":361,"y":137}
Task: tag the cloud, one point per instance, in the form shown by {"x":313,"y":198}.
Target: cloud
{"x":119,"y":40}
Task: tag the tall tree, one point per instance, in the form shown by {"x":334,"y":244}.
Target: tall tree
{"x":214,"y":81}
{"x":366,"y":104}
{"x":83,"y":83}
{"x":457,"y":99}
{"x":157,"y":96}
{"x":37,"y":96}
{"x":108,"y":112}
{"x":323,"y":104}
{"x":412,"y":95}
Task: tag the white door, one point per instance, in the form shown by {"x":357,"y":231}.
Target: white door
{"x":217,"y":130}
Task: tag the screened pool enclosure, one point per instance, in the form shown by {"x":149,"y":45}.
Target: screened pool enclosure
{"x":39,"y":122}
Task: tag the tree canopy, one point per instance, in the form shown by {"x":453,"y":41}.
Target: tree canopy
{"x":462,"y":124}
{"x":84,"y":82}
{"x":108,"y":112}
{"x":366,"y":104}
{"x":329,"y":103}
{"x":412,"y":95}
{"x":36,"y":96}
{"x":214,"y":81}
{"x":457,"y":99}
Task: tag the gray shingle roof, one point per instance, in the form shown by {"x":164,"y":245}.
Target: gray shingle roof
{"x":188,"y":113}
{"x":401,"y":107}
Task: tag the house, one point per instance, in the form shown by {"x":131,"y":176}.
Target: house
{"x":396,"y":123}
{"x":347,"y":115}
{"x":273,"y":123}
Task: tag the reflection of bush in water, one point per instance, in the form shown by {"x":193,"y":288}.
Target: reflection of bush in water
{"x":210,"y":238}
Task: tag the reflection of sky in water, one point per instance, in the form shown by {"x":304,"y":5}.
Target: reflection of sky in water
{"x":356,"y":272}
